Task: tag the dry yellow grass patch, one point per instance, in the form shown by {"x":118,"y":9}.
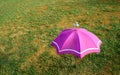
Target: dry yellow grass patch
{"x":107,"y":16}
{"x":14,"y":30}
{"x":53,"y":52}
{"x":42,"y":9}
{"x":109,"y":0}
{"x":2,"y":49}
{"x":65,"y":23}
{"x":18,"y":34}
{"x":34,"y":58}
{"x":103,"y":18}
{"x":37,"y":42}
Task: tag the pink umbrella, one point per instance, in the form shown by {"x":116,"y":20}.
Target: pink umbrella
{"x":77,"y":41}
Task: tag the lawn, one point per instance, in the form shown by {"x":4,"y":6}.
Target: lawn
{"x":27,"y":28}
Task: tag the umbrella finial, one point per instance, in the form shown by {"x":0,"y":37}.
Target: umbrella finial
{"x":76,"y":24}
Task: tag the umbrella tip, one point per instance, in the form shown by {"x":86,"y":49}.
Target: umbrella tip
{"x":76,"y":24}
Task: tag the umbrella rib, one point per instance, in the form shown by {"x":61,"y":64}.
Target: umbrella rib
{"x":98,"y":43}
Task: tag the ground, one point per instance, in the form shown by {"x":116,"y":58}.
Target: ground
{"x":28,"y":27}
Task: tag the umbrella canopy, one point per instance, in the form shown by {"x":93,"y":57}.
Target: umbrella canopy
{"x":77,"y":41}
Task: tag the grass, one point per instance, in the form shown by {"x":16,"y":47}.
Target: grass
{"x":28,"y":27}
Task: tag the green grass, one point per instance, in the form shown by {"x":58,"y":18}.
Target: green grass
{"x":28,"y":27}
